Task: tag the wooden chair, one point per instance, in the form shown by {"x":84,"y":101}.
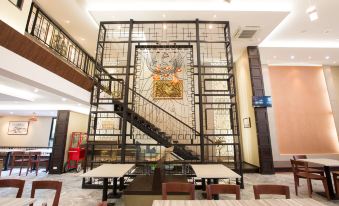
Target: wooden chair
{"x":271,"y":190}
{"x":177,"y":187}
{"x":34,"y":160}
{"x":14,"y":183}
{"x":336,"y":182}
{"x":214,"y":189}
{"x":18,"y":158}
{"x":1,"y":165}
{"x":311,"y":170}
{"x":49,"y":185}
{"x":301,"y":170}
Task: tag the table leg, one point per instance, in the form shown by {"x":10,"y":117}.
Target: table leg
{"x":114,"y":194}
{"x":121,"y":184}
{"x":104,"y":190}
{"x":329,"y":181}
{"x":7,"y":161}
{"x":203,"y":184}
{"x":216,"y":181}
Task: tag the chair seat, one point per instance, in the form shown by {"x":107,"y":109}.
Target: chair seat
{"x":312,"y":170}
{"x":310,"y":175}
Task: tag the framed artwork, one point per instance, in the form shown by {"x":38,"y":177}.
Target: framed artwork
{"x":247,"y":122}
{"x":166,"y":89}
{"x":18,"y":128}
{"x":17,"y":3}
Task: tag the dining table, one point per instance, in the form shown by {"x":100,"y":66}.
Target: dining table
{"x":214,"y":172}
{"x":106,"y":171}
{"x":11,"y":201}
{"x":261,"y":202}
{"x":327,"y":164}
{"x":8,"y":152}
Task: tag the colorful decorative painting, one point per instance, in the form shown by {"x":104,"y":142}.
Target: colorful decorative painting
{"x":167,"y":89}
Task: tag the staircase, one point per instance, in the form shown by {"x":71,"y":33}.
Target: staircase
{"x":144,"y":125}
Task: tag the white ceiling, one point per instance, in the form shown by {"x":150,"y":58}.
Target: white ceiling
{"x":43,"y":103}
{"x":80,"y":19}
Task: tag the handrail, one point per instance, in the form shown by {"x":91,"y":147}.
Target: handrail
{"x":52,"y":35}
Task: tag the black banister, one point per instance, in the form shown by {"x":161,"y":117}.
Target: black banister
{"x":51,"y":34}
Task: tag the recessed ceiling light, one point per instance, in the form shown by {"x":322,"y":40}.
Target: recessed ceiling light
{"x":312,"y":13}
{"x":163,"y":15}
{"x":327,"y":57}
{"x":68,"y":21}
{"x":63,"y":99}
{"x":164,"y":26}
{"x":36,"y":90}
{"x":215,"y":16}
{"x":82,"y":39}
{"x":11,"y":112}
{"x":292,"y":57}
{"x":210,"y":26}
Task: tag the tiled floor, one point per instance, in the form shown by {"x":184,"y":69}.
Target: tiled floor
{"x":73,"y":194}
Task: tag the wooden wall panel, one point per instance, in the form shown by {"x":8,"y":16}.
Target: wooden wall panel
{"x":57,"y":159}
{"x":302,"y":111}
{"x":27,"y":48}
{"x":261,"y":120}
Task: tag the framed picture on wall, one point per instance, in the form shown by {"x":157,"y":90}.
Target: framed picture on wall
{"x":18,"y":127}
{"x":247,"y":122}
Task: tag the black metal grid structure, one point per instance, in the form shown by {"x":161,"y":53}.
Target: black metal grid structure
{"x":119,"y":133}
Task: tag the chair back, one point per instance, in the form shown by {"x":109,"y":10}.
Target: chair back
{"x":178,"y":187}
{"x":298,"y":157}
{"x":49,"y":185}
{"x":34,"y":156}
{"x":214,"y":189}
{"x":14,"y":183}
{"x":299,"y":165}
{"x":271,"y":190}
{"x":18,"y":154}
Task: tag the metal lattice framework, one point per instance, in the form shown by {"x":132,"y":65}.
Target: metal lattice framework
{"x":210,"y":134}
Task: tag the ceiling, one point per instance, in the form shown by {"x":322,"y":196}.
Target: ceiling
{"x":284,"y":23}
{"x":21,"y":99}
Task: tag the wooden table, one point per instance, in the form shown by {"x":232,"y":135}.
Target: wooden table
{"x":9,"y":151}
{"x":10,"y":201}
{"x":262,"y":202}
{"x":327,"y":164}
{"x":215,"y":172}
{"x":106,"y":171}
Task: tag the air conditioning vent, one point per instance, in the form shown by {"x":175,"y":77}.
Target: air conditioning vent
{"x":246,"y":32}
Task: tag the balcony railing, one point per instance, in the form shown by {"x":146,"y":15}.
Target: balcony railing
{"x":49,"y":33}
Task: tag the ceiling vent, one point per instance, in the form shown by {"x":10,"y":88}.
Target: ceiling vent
{"x":246,"y":32}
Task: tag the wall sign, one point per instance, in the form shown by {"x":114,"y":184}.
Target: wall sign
{"x":18,"y":128}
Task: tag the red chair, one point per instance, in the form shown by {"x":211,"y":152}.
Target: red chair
{"x":215,"y":189}
{"x":178,"y":187}
{"x":18,"y":158}
{"x":271,"y":190}
{"x":49,"y":185}
{"x":14,"y":183}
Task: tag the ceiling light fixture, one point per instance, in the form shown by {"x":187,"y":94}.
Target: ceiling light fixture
{"x":63,"y":99}
{"x":68,"y":21}
{"x":327,"y":57}
{"x":292,"y":57}
{"x":163,"y":15}
{"x":312,"y":13}
{"x":79,"y":104}
{"x":215,"y":16}
{"x":11,"y":112}
{"x":210,"y":26}
{"x":164,"y":26}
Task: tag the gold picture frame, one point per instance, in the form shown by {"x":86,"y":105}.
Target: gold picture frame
{"x":167,"y":89}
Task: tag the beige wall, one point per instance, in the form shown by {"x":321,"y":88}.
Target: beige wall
{"x":302,"y":111}
{"x":38,"y":132}
{"x":11,"y":15}
{"x":332,"y":81}
{"x":77,"y":123}
{"x":244,"y":93}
